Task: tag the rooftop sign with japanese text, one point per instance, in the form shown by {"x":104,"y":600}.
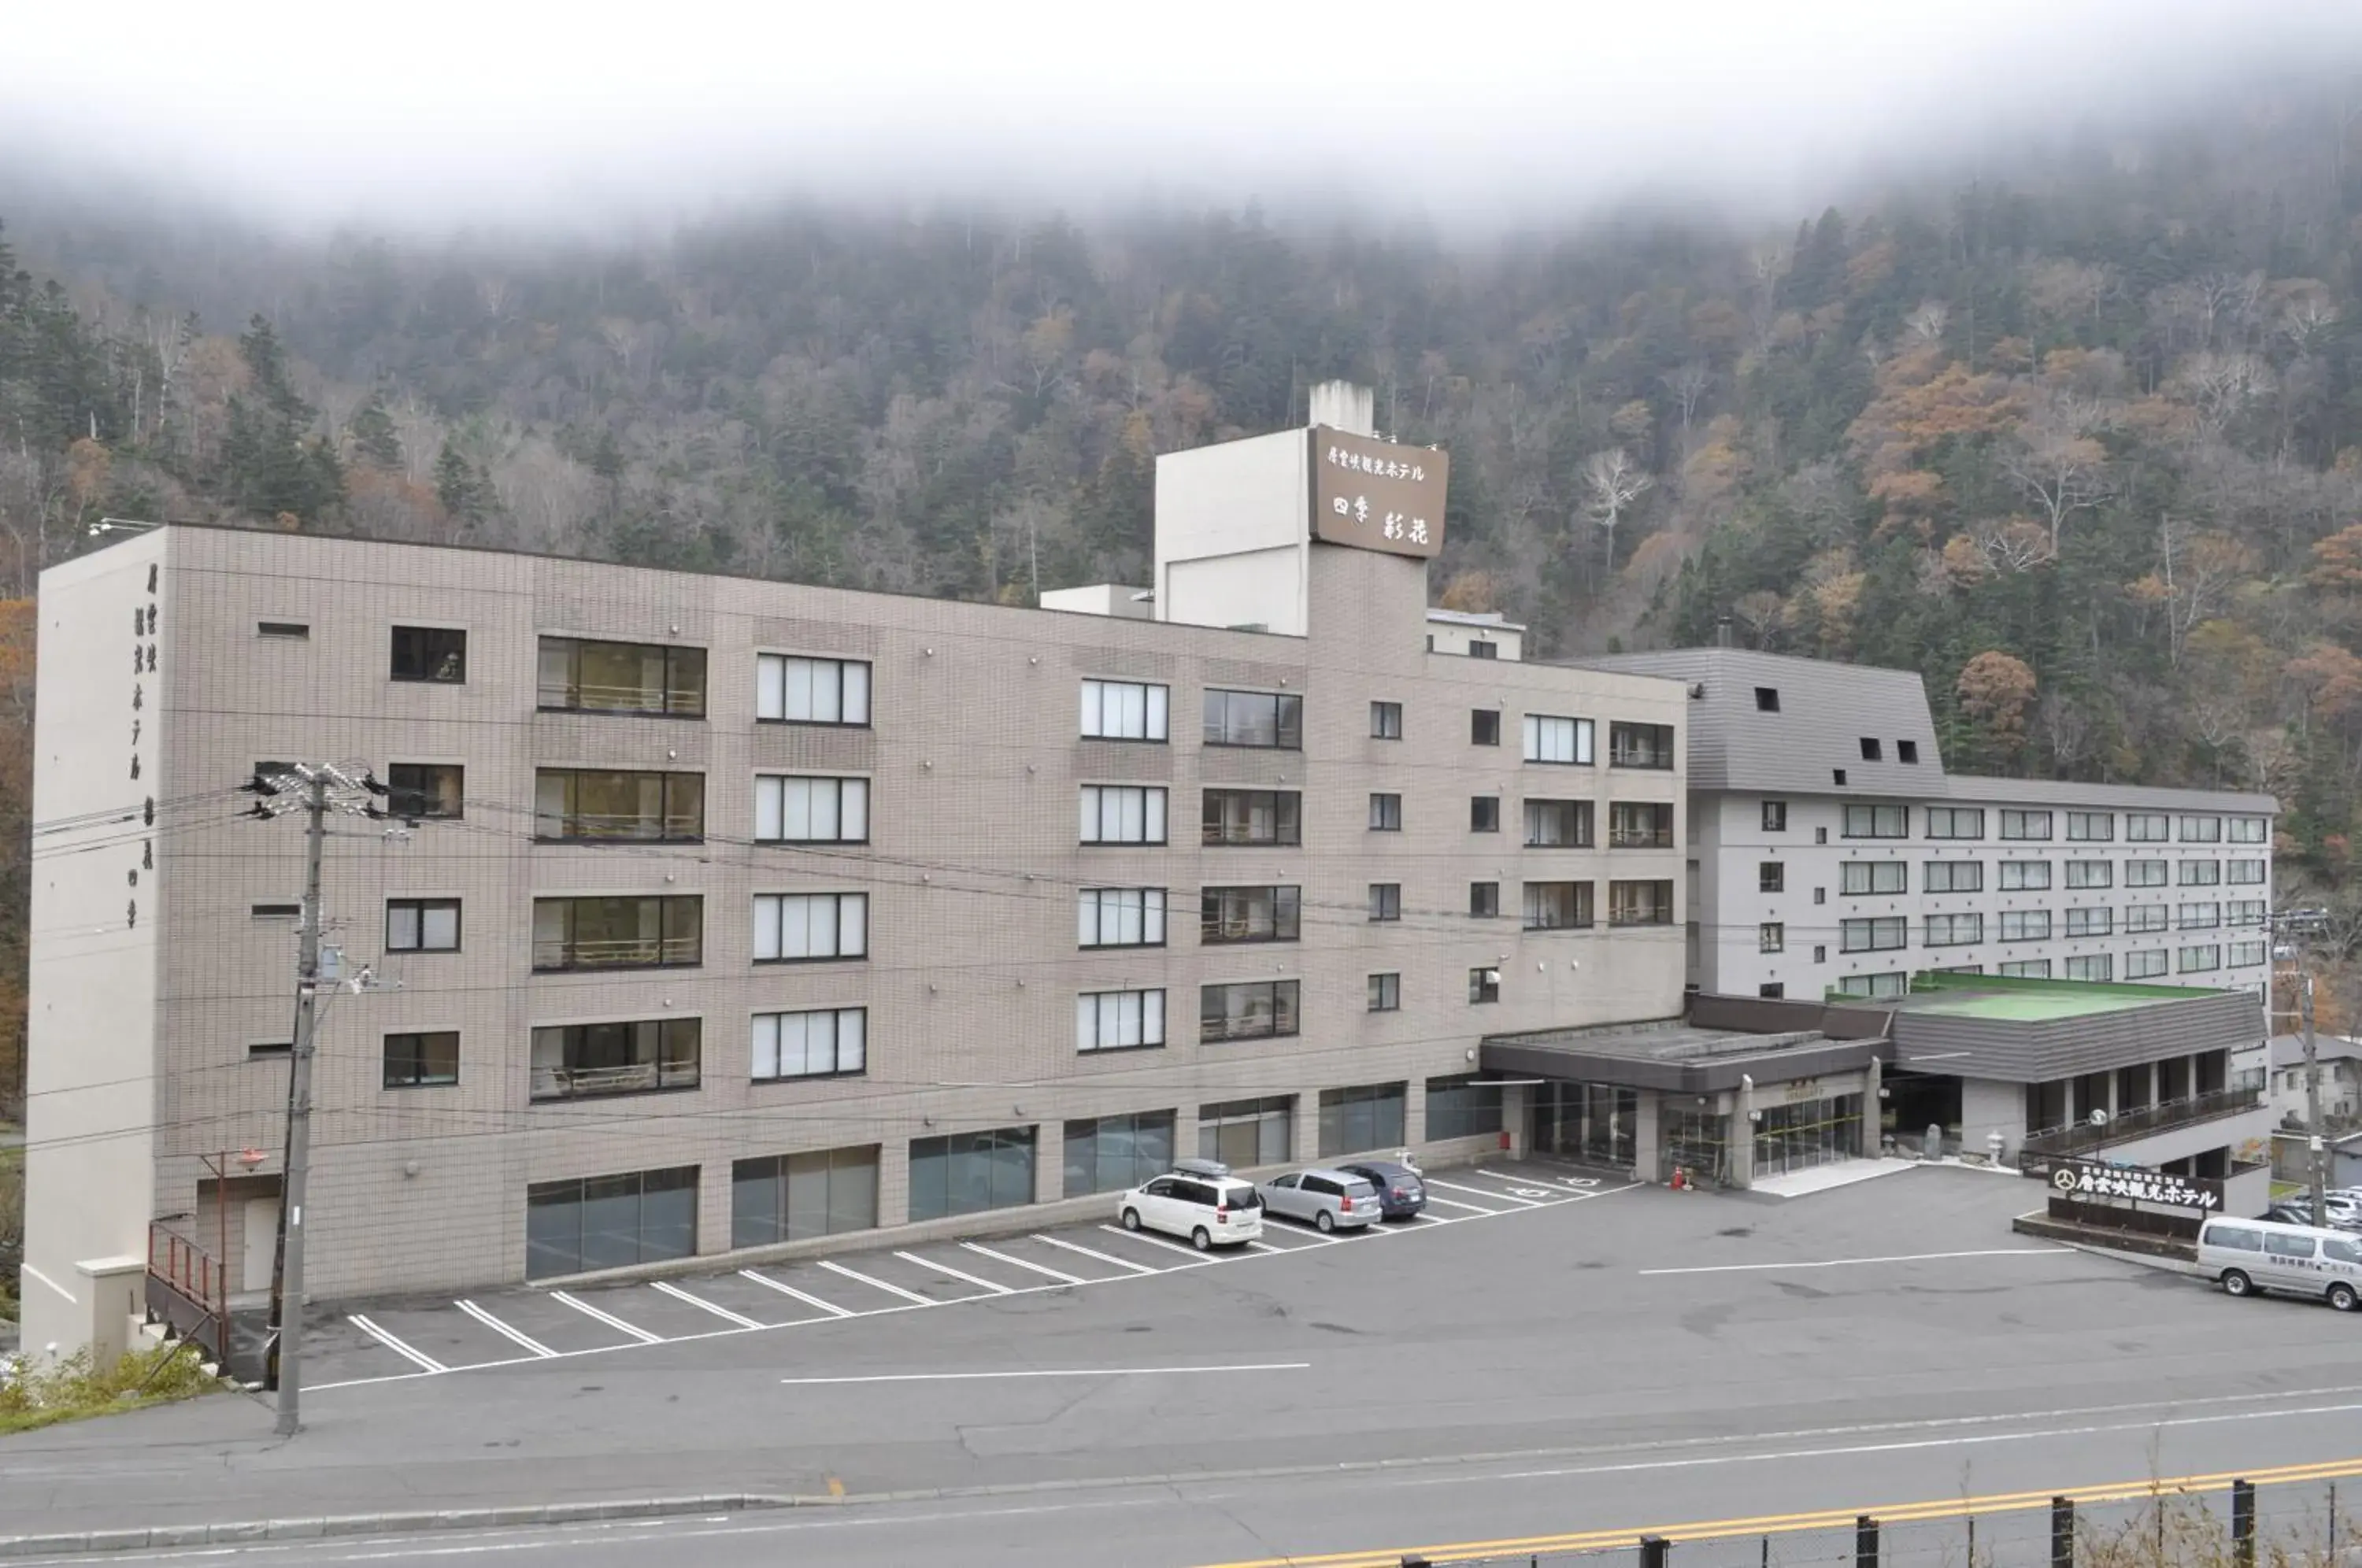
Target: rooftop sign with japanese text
{"x":2087,"y":1180}
{"x":1375,"y":495}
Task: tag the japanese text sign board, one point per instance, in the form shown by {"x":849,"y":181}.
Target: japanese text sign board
{"x":1375,"y":495}
{"x":2086,"y":1180}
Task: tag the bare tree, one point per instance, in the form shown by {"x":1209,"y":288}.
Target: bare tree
{"x":1925,"y":327}
{"x":2220,"y":387}
{"x":2061,"y":470}
{"x":1615,"y":481}
{"x":1689,"y":385}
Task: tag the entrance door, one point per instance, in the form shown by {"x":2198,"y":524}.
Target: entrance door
{"x":261,"y":1243}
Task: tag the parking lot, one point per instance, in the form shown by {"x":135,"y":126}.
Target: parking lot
{"x":374,"y":1342}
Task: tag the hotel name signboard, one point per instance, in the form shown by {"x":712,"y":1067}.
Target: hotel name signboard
{"x":1375,"y":495}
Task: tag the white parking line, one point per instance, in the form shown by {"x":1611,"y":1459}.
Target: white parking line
{"x":1295,"y":1243}
{"x":488,"y":1321}
{"x":831,"y":1308}
{"x":1059,"y":1274}
{"x":415,"y":1358}
{"x":1193,"y":1252}
{"x":1484,"y":1192}
{"x":1061,"y":1372}
{"x":1103,"y":1257}
{"x":955,"y":1274}
{"x":1846,"y":1262}
{"x":1472,"y":1207}
{"x":910,"y":1295}
{"x":678,"y":1294}
{"x":608,"y":1319}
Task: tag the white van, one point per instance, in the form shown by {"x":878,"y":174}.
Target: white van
{"x":2249,"y":1256}
{"x":1201,"y":1200}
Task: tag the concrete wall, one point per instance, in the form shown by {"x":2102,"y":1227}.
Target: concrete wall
{"x":1989,"y":1106}
{"x":1247,"y":503}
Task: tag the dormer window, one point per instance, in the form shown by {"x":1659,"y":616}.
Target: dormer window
{"x":1767,"y":699}
{"x":1869,"y":748}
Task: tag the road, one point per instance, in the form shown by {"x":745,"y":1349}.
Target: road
{"x":1638,"y":1359}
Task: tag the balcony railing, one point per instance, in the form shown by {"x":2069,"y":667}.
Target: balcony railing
{"x":2081,"y":1137}
{"x":617,"y":952}
{"x":630,"y":1077}
{"x":1640,"y":838}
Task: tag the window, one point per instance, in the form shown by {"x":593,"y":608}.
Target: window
{"x":294,"y":631}
{"x":1386,"y":993}
{"x":1558,"y":825}
{"x":1385,"y":813}
{"x":1906,"y":751}
{"x":1385,"y":901}
{"x":1483,"y":726}
{"x":2024,"y":875}
{"x":2244,"y":911}
{"x":1247,"y":1010}
{"x":1125,"y":710}
{"x":1820,"y":895}
{"x":422,"y":1061}
{"x":1484,"y":814}
{"x":425,"y":790}
{"x":587,"y":806}
{"x":2098,"y":922}
{"x":2026,"y":824}
{"x":2250,"y":830}
{"x":830,"y":1043}
{"x":1820,"y":952}
{"x":1246,"y":1131}
{"x":1479,"y":648}
{"x":1386,"y":721}
{"x":1858,"y":877}
{"x":2091,"y":967}
{"x":1639,"y":825}
{"x":2145,"y":873}
{"x":1772,"y":936}
{"x":1369,"y":1116}
{"x":1557,"y":906}
{"x":792,"y":927}
{"x":2199,"y":873}
{"x":1120,"y":917}
{"x":611,"y":1222}
{"x":581,"y":675}
{"x":1641,"y":903}
{"x":2027,"y":970}
{"x":1956,"y":821}
{"x":1122,"y":814}
{"x":1820,"y":835}
{"x":1877,"y":821}
{"x":1119,"y":1021}
{"x":2146,"y":965}
{"x":1838,"y":776}
{"x":1464,"y":1106}
{"x":1248,"y":914}
{"x":577,"y":1061}
{"x":1484,"y":984}
{"x":1767,"y":699}
{"x":422,"y":926}
{"x":1955,"y":930}
{"x":2198,"y":959}
{"x":1775,"y":816}
{"x":1640,"y":746}
{"x":1771,"y":876}
{"x":2146,"y":917}
{"x":1892,"y":984}
{"x":277,"y":911}
{"x":2147,"y":827}
{"x":794,"y":1198}
{"x":1252,"y":816}
{"x":1115,"y":1154}
{"x":1871,"y":751}
{"x":794,"y":690}
{"x":262,"y":1049}
{"x":2091,"y":827}
{"x":967,"y":1173}
{"x":793,"y":808}
{"x":2091,"y":874}
{"x":2243,"y":871}
{"x":1880,"y":935}
{"x":2202,"y":830}
{"x":2245,"y":953}
{"x":2025,"y":925}
{"x":1550,"y":739}
{"x":647,"y":933}
{"x":2199,"y":917}
{"x":1268,"y":719}
{"x":430,"y":653}
{"x":1953,"y":877}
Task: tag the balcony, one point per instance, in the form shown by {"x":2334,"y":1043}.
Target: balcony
{"x":627,"y":1078}
{"x":1640,"y":838}
{"x":2080,"y":1139}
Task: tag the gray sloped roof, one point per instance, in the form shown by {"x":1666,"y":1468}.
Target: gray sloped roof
{"x":1972,"y":788}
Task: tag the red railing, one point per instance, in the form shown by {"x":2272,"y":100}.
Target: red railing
{"x":188,"y":1268}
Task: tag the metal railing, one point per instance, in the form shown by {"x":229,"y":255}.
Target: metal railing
{"x":2163,"y":1117}
{"x":630,"y":1077}
{"x":617,"y":952}
{"x":1640,"y":838}
{"x":188,"y":1268}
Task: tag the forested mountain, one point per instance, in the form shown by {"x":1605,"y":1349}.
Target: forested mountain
{"x":2080,"y":437}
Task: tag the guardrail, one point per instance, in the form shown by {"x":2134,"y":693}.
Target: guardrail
{"x":2078,"y":1137}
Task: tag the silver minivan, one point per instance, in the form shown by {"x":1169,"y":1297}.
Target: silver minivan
{"x":1327,"y":1199}
{"x":2249,"y":1256}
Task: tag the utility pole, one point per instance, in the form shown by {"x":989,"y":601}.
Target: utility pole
{"x":2301,"y":923}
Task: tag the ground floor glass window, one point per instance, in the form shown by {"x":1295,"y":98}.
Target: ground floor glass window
{"x":1810,"y":1132}
{"x":613,"y":1221}
{"x":1115,"y":1154}
{"x":1589,"y":1122}
{"x":968,"y":1173}
{"x":1367,"y":1116}
{"x":793,"y":1198}
{"x":1246,"y":1131}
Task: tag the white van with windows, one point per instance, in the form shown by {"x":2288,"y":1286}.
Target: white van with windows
{"x":2249,"y":1256}
{"x":1201,"y":1200}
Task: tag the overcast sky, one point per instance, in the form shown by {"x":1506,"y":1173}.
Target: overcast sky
{"x":438,"y":111}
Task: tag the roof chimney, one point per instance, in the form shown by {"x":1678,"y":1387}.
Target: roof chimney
{"x":1341,"y":405}
{"x":1722,"y":632}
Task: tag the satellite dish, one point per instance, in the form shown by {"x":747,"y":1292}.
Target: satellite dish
{"x":2099,"y":1118}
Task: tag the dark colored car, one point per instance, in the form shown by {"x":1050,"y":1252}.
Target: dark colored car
{"x":1401,"y":1193}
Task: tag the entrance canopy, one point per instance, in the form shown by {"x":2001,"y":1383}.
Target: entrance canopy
{"x":1683,"y":1055}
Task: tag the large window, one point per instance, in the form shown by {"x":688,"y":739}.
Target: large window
{"x":1877,"y":821}
{"x":2199,"y":917}
{"x":426,"y":791}
{"x":1955,"y":930}
{"x":1553,"y":739}
{"x":1367,"y":1116}
{"x":1856,"y":877}
{"x":2091,"y":967}
{"x":1639,"y":825}
{"x":578,"y":675}
{"x":803,"y":927}
{"x":1116,"y":1154}
{"x":646,"y":932}
{"x":1255,"y":718}
{"x":2202,"y":830}
{"x":790,"y":690}
{"x":1125,"y":710}
{"x":794,"y":1198}
{"x":1119,"y":1021}
{"x":2147,"y":827}
{"x":1247,"y":1010}
{"x":806,"y":808}
{"x":422,"y":1061}
{"x":1253,"y":817}
{"x":1557,"y":906}
{"x":1953,"y":877}
{"x":2198,"y":959}
{"x":1248,"y":914}
{"x":2026,"y":970}
{"x":1893,"y":983}
{"x":1558,"y":825}
{"x":968,"y":1173}
{"x":2025,"y":925}
{"x":1873,"y":936}
{"x":2244,"y":871}
{"x":2199,"y":873}
{"x":1120,"y":917}
{"x":2099,"y":922}
{"x":1640,"y":746}
{"x":2145,"y":873}
{"x":2026,"y":824}
{"x":828,"y":1043}
{"x":422,"y":926}
{"x":577,"y":1061}
{"x":2245,"y":953}
{"x":2147,"y":917}
{"x":613,"y":1221}
{"x":587,"y":806}
{"x":1245,"y":1132}
{"x":1641,"y":903}
{"x":1956,"y":821}
{"x":437,"y":654}
{"x":2145,"y":965}
{"x":1464,"y":1106}
{"x":2250,"y":830}
{"x":2024,"y":875}
{"x":2091,"y":874}
{"x":2245,"y":912}
{"x":1122,"y":814}
{"x":2091,"y":827}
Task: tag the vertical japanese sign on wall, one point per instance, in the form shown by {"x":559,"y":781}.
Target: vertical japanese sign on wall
{"x":1375,"y":495}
